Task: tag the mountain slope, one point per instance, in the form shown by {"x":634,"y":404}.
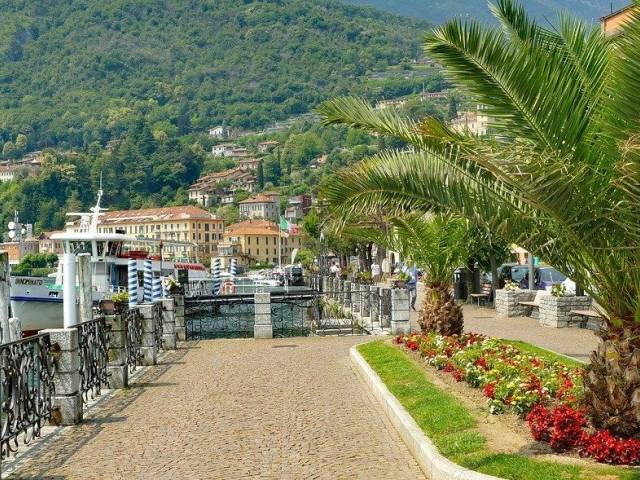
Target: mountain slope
{"x":74,"y":72}
{"x":437,"y":11}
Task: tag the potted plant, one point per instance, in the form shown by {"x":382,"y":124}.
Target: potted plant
{"x":173,"y":286}
{"x":400,"y":280}
{"x":511,"y":286}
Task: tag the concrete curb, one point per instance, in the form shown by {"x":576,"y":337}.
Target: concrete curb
{"x":434,"y":465}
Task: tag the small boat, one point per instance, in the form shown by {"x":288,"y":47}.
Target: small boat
{"x":37,"y":301}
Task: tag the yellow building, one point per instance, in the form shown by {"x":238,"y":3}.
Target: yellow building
{"x":187,"y":223}
{"x":258,"y":239}
{"x":612,"y":23}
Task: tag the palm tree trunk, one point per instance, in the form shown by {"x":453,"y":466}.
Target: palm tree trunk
{"x":612,"y":381}
{"x":439,"y":312}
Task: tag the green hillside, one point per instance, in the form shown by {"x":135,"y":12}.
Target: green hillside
{"x":437,"y":11}
{"x":76,"y":72}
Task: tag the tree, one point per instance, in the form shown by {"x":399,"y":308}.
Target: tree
{"x":21,"y":142}
{"x":8,"y":149}
{"x":453,"y":108}
{"x":562,"y":179}
{"x":260,"y":175}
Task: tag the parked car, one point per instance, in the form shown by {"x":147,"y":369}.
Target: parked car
{"x":511,"y":271}
{"x":544,"y":278}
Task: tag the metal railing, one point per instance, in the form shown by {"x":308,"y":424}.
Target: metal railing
{"x":93,"y":347}
{"x":26,"y":389}
{"x":133,"y":322}
{"x":229,"y":316}
{"x":158,"y":329}
{"x":294,"y":315}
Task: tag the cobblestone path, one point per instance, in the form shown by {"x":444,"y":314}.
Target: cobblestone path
{"x":230,"y":409}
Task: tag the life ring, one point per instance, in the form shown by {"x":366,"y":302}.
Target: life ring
{"x":228,"y":288}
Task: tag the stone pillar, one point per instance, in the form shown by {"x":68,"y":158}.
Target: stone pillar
{"x":326,"y":288}
{"x":554,"y":311}
{"x":507,"y":302}
{"x":346,"y":297}
{"x":374,"y":297}
{"x":85,"y":287}
{"x":148,"y":349}
{"x":262,"y":327}
{"x":385,"y":307}
{"x":356,"y":297}
{"x":400,"y":311}
{"x":67,"y":401}
{"x":365,"y":301}
{"x":168,"y":323}
{"x":178,"y":314}
{"x":117,"y":369}
{"x":337,"y":288}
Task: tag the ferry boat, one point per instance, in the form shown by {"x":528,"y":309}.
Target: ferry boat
{"x":37,"y":301}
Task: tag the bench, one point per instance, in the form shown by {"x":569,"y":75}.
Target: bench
{"x":536,"y":301}
{"x":485,"y":293}
{"x":585,"y":316}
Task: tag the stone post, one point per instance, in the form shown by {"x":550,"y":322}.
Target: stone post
{"x":400,"y":314}
{"x":117,"y":369}
{"x":4,"y":297}
{"x":554,"y":311}
{"x":168,"y":324}
{"x":178,"y":314}
{"x":85,"y":287}
{"x":375,"y":303}
{"x":346,"y":297}
{"x":365,"y":301}
{"x":262,"y":327}
{"x":148,"y":349}
{"x":385,"y":307}
{"x":356,"y":297}
{"x":337,"y":288}
{"x":326,"y":288}
{"x":67,"y":401}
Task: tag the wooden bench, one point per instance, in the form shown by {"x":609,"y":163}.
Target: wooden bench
{"x":536,"y":301}
{"x":584,"y":315}
{"x":485,"y":293}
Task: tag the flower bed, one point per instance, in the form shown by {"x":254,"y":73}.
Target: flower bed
{"x":547,"y":394}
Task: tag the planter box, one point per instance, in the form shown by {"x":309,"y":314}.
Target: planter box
{"x":508,"y":302}
{"x":554,"y":311}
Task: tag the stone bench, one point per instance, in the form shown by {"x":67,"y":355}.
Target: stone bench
{"x":589,"y":319}
{"x":533,"y":306}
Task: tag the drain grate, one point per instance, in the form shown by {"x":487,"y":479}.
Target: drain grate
{"x":285,"y":346}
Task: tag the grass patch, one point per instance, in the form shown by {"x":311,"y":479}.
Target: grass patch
{"x":453,"y":428}
{"x":545,"y":354}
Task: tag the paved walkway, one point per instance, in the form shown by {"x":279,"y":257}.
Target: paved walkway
{"x":228,"y":409}
{"x":572,"y":341}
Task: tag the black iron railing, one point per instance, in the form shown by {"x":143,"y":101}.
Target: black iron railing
{"x":93,"y":347}
{"x":157,"y":326}
{"x":26,"y":390}
{"x":294,"y":315}
{"x":231,"y":316}
{"x":133,"y":322}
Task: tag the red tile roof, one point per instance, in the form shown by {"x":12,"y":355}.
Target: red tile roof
{"x":184,"y":212}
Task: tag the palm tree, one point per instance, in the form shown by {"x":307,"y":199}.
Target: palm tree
{"x":435,"y":243}
{"x":561,"y":176}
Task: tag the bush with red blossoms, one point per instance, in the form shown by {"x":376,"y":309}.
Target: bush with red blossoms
{"x":540,"y":423}
{"x":605,"y":448}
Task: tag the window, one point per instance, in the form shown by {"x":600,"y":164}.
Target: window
{"x":248,"y":240}
{"x":258,"y":252}
{"x":206,"y":227}
{"x":206,"y":237}
{"x":193,"y":225}
{"x":193,"y":235}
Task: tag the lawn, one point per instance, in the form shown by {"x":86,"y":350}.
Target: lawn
{"x":453,"y":428}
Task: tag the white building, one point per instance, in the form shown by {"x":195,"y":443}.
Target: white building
{"x":219,"y":132}
{"x":473,"y":123}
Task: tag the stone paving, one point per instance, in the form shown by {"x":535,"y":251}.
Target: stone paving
{"x":572,"y":341}
{"x":281,"y":409}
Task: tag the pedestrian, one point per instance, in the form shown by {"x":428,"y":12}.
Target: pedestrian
{"x":335,"y":270}
{"x":386,"y":268}
{"x":412,"y":283}
{"x":375,"y":272}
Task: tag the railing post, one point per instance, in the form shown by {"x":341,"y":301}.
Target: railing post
{"x":168,"y":324}
{"x":385,"y":307}
{"x":326,"y":287}
{"x":149,"y":349}
{"x":67,"y":401}
{"x":356,"y":297}
{"x":400,"y":313}
{"x":365,"y":301}
{"x":178,"y":313}
{"x":346,"y":297}
{"x":118,"y":368}
{"x":4,"y":298}
{"x":262,"y":327}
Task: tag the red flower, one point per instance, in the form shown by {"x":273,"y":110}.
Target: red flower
{"x":489,"y":390}
{"x":449,"y":368}
{"x":458,"y":374}
{"x":482,"y":363}
{"x":540,"y":423}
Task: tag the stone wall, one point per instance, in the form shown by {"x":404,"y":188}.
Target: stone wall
{"x":508,"y":302}
{"x":554,"y":311}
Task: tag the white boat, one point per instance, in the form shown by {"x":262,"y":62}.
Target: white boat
{"x":37,"y":301}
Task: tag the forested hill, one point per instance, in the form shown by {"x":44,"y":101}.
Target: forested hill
{"x":437,"y":11}
{"x":76,"y":72}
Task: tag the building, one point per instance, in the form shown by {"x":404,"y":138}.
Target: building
{"x":239,"y":152}
{"x":219,"y":132}
{"x":49,"y":245}
{"x":432,"y":95}
{"x":30,"y":165}
{"x":612,"y":23}
{"x":223,"y":149}
{"x":473,"y":123}
{"x":258,"y":240}
{"x":199,"y":230}
{"x":299,"y":206}
{"x":394,"y":103}
{"x":260,"y":206}
{"x":264,"y":147}
{"x":220,"y":187}
{"x":29,"y":245}
{"x":249,"y":163}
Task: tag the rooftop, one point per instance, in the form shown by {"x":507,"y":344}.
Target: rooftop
{"x":253,"y":227}
{"x":163,"y":214}
{"x":258,"y":199}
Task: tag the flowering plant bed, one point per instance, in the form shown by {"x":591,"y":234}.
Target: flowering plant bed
{"x":546,"y":393}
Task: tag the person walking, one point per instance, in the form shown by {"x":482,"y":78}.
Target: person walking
{"x":375,"y":272}
{"x":412,"y":283}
